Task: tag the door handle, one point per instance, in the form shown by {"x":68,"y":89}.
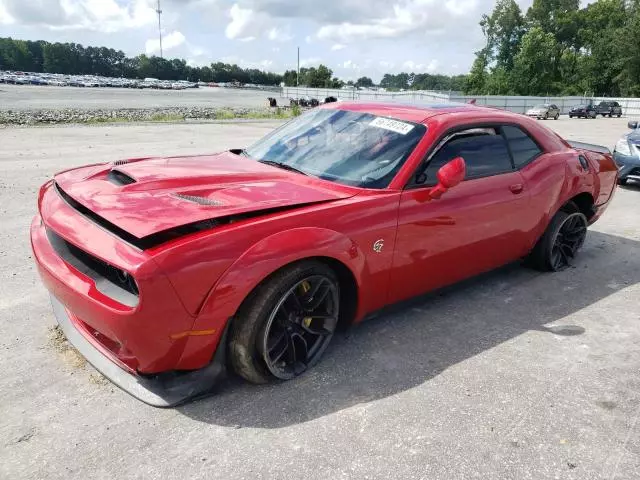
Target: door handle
{"x":517,"y":188}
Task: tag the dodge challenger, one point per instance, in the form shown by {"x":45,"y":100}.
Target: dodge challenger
{"x":165,"y":273}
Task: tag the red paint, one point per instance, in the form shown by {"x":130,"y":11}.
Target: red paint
{"x":432,"y":236}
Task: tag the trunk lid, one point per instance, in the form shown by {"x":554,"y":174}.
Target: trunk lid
{"x":147,"y":196}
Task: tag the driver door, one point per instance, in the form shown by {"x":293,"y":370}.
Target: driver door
{"x":474,"y":227}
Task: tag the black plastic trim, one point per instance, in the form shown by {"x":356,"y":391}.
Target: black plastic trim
{"x":106,"y":277}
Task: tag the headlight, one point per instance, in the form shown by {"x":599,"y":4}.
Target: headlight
{"x":622,"y":147}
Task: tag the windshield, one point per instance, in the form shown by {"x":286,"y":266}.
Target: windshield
{"x":540,"y":107}
{"x":352,"y":148}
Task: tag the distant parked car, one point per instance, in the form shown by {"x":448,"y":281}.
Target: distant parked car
{"x":544,"y":111}
{"x":626,"y":154}
{"x":586,"y":111}
{"x":609,"y":109}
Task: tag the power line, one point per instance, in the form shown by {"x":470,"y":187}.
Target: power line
{"x":159,"y":12}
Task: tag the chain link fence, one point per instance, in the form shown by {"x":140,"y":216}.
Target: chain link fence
{"x":516,"y":104}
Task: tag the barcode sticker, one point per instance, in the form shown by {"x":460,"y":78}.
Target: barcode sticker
{"x":393,"y":125}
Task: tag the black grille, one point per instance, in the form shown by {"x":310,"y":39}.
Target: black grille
{"x":119,"y":178}
{"x":210,"y":202}
{"x":111,"y":281}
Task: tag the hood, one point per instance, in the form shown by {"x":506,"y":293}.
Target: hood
{"x":147,"y":196}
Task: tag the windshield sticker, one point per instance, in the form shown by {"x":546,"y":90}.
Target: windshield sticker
{"x":393,"y":125}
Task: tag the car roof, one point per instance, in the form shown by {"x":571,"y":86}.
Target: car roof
{"x":415,"y":112}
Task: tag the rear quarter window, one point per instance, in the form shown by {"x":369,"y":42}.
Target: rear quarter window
{"x":523,"y":148}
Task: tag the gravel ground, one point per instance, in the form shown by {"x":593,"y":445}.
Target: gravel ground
{"x":32,"y":97}
{"x":512,"y":375}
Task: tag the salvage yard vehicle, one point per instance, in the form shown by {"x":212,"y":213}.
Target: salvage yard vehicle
{"x":544,"y":111}
{"x":164,"y":272}
{"x":583,"y":111}
{"x":609,"y":108}
{"x":626,"y":154}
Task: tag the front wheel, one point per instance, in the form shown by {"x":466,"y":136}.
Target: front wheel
{"x":622,"y":181}
{"x":557,"y":116}
{"x":285,"y":325}
{"x":558,"y":246}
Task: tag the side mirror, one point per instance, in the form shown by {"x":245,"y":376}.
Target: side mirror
{"x":632,"y":124}
{"x":449,"y":175}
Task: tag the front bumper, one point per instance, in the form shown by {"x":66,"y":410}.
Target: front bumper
{"x":162,"y":390}
{"x":628,"y":166}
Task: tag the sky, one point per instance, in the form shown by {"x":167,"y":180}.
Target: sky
{"x":352,"y":37}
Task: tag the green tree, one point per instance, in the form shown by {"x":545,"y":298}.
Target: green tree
{"x":364,"y":82}
{"x":533,"y":70}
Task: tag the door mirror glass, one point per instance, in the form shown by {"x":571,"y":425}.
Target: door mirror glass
{"x":632,"y":124}
{"x":449,"y":175}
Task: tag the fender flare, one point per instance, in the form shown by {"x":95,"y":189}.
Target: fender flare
{"x":269,"y":255}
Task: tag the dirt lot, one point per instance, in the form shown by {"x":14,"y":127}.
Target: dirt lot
{"x":515,"y":375}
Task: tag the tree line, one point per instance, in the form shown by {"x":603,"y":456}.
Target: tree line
{"x":556,"y":47}
{"x":74,"y":59}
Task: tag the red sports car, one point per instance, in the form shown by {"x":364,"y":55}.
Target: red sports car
{"x":163,"y":272}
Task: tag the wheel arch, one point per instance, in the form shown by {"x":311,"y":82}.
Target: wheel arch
{"x":582,"y":202}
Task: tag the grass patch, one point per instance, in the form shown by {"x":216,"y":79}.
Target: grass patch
{"x":167,"y":117}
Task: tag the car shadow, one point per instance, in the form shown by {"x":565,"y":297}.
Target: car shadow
{"x":631,"y":185}
{"x":409,"y":344}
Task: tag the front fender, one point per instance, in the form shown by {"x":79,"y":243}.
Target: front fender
{"x":252,"y":267}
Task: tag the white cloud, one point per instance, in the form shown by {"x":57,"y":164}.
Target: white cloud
{"x":247,"y":39}
{"x":337,"y":46}
{"x":92,"y":15}
{"x":5,"y":18}
{"x":413,"y":16}
{"x":277,"y":35}
{"x":308,"y":39}
{"x":411,"y":66}
{"x":241,"y":19}
{"x":385,"y":64}
{"x":311,"y":61}
{"x":173,"y":40}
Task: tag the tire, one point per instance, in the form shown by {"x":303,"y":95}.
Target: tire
{"x":619,"y":115}
{"x":261,"y":315}
{"x":622,"y":181}
{"x":546,"y":116}
{"x":557,"y":116}
{"x":548,"y":255}
{"x":570,"y":116}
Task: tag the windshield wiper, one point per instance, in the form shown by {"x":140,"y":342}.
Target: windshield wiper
{"x":283,"y":166}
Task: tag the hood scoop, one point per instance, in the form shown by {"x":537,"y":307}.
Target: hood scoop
{"x":209,"y":202}
{"x":120,"y":178}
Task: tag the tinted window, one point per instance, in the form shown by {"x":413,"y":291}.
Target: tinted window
{"x":523,"y":148}
{"x":484,"y":154}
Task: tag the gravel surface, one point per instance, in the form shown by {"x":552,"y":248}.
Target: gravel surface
{"x":32,"y":97}
{"x":512,"y":375}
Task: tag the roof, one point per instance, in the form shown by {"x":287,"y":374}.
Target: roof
{"x":415,"y":112}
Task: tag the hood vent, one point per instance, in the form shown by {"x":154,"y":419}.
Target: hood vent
{"x":119,"y":178}
{"x":121,"y":162}
{"x":199,"y":200}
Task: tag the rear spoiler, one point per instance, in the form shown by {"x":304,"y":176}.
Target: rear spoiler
{"x":589,"y":146}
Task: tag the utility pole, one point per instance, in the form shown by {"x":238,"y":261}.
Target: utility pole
{"x":298,"y":74}
{"x":159,"y":12}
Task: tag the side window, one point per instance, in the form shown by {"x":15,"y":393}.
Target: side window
{"x":484,"y":151}
{"x":523,"y":148}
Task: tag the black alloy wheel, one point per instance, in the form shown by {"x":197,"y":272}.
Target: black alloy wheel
{"x":568,"y":240}
{"x":300,"y":326}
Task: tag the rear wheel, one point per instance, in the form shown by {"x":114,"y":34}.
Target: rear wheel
{"x":559,"y":245}
{"x":570,"y":116}
{"x":286,"y":324}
